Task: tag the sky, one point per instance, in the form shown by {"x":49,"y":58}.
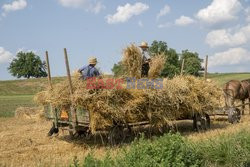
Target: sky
{"x":102,"y":28}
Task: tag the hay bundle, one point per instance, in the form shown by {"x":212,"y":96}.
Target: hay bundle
{"x":179,"y":98}
{"x":29,"y":113}
{"x":156,"y":66}
{"x":42,"y":98}
{"x":132,"y":60}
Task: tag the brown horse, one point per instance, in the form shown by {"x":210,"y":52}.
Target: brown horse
{"x":235,"y":89}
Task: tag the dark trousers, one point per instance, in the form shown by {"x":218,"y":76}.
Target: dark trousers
{"x":145,"y":69}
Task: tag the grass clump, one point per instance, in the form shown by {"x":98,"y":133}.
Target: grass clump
{"x":168,"y":150}
{"x":174,"y":150}
{"x":226,"y":150}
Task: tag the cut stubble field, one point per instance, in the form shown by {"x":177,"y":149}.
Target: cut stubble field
{"x":23,"y":142}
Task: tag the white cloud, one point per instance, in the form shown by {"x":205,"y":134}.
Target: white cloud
{"x":140,"y":23}
{"x":97,"y":7}
{"x":5,"y":56}
{"x":164,"y":25}
{"x":94,"y":7}
{"x":124,"y":13}
{"x":183,"y":21}
{"x":225,"y":37}
{"x":165,"y":10}
{"x":15,"y":5}
{"x":233,"y":56}
{"x":247,"y":13}
{"x":219,"y":11}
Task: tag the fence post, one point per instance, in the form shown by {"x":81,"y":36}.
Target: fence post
{"x":182,"y":66}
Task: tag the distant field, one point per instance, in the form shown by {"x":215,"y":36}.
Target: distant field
{"x":25,"y":86}
{"x":16,"y":93}
{"x":222,"y":78}
{"x":10,"y":103}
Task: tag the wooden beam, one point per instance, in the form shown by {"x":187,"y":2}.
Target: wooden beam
{"x":72,"y":110}
{"x":68,"y":70}
{"x":182,"y":66}
{"x":48,"y":69}
{"x":205,"y":72}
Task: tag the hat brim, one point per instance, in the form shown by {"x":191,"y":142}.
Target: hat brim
{"x":143,"y":46}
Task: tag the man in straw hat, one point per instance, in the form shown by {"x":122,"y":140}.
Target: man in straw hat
{"x":90,"y":70}
{"x":145,"y":59}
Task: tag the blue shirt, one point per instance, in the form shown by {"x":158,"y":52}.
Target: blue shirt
{"x":89,"y":71}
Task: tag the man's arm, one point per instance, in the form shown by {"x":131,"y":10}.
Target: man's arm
{"x":81,"y":69}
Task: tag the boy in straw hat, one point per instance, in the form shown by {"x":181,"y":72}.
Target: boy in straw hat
{"x":145,"y":59}
{"x":90,"y":70}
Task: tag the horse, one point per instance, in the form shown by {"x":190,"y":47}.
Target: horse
{"x":235,"y":89}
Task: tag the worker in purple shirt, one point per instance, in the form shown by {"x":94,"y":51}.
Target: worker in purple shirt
{"x":89,"y":70}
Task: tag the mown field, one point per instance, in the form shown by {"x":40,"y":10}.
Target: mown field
{"x":16,"y":93}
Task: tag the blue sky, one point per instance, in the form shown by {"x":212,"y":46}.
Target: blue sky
{"x":102,"y":28}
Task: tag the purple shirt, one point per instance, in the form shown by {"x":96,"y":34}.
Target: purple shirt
{"x":89,"y":71}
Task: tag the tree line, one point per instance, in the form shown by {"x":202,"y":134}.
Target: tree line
{"x":28,"y":64}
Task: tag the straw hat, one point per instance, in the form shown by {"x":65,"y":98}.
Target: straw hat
{"x":144,"y":45}
{"x":92,"y":60}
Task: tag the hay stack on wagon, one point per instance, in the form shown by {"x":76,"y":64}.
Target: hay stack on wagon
{"x":179,"y":98}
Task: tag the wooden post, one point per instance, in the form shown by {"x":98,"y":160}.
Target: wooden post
{"x":50,"y":85}
{"x":72,"y":110}
{"x":182,"y":66}
{"x":48,"y":69}
{"x":68,"y":70}
{"x":205,"y":72}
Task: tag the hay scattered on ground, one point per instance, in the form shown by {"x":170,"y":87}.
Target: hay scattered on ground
{"x":29,"y":113}
{"x":132,"y":60}
{"x":156,"y":66}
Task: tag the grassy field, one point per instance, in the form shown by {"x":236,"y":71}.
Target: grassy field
{"x":10,"y":103}
{"x":16,"y":93}
{"x":222,"y":78}
{"x":19,"y":93}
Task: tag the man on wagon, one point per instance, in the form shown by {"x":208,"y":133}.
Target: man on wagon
{"x":90,"y":70}
{"x":145,"y":59}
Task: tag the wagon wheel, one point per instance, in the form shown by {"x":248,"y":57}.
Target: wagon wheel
{"x":201,"y":122}
{"x":71,"y":133}
{"x":234,"y":115}
{"x":116,"y":134}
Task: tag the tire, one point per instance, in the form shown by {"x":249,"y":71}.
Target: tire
{"x":234,"y":115}
{"x":201,"y":122}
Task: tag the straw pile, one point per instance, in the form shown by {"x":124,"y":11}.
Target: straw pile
{"x":29,"y":113}
{"x":132,"y":61}
{"x":179,"y":99}
{"x":156,"y":66}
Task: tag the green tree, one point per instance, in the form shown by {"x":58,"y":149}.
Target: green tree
{"x":171,"y":67}
{"x":118,"y":69}
{"x":27,"y":65}
{"x":158,"y":47}
{"x":192,"y":62}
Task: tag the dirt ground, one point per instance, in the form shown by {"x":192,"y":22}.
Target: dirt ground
{"x":23,"y":142}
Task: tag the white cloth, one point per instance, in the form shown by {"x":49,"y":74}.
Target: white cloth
{"x":145,"y":56}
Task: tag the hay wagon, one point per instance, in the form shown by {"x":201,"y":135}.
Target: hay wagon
{"x":78,"y":120}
